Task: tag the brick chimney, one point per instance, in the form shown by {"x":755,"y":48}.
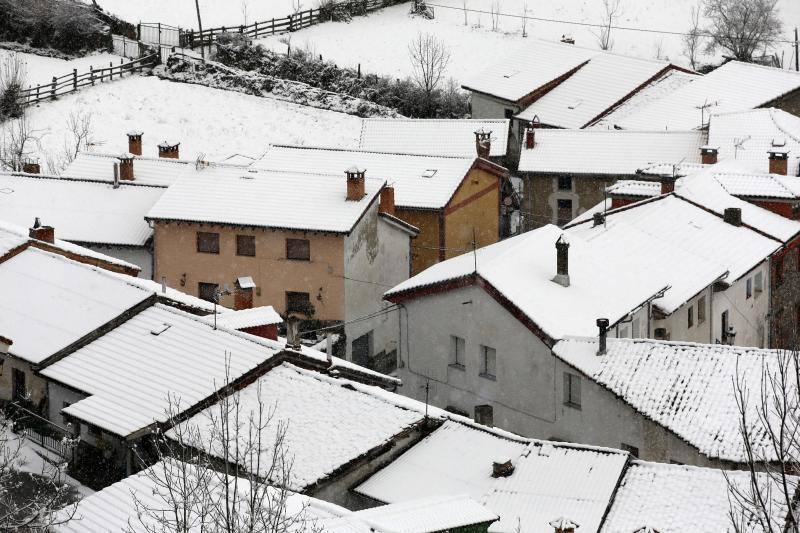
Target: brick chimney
{"x":502,"y":468}
{"x":562,"y":261}
{"x":126,"y":167}
{"x":708,"y":155}
{"x":5,"y":344}
{"x":355,"y":184}
{"x":667,"y":184}
{"x":42,"y":233}
{"x":169,"y":150}
{"x":778,"y":161}
{"x":602,"y":326}
{"x":483,"y":143}
{"x":733,"y":216}
{"x":135,"y":142}
{"x":530,"y":132}
{"x":564,"y":525}
{"x":31,"y":166}
{"x":387,"y":200}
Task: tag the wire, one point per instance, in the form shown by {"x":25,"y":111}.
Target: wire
{"x":589,"y":24}
{"x":386,"y":311}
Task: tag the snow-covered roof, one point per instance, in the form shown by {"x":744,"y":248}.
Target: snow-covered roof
{"x":343,"y":418}
{"x":641,"y":188}
{"x":227,"y":195}
{"x":427,"y":515}
{"x":458,"y":459}
{"x":678,"y":498}
{"x":680,"y":244}
{"x":443,"y":137}
{"x":747,"y":136}
{"x":605,"y":81}
{"x":518,"y":73}
{"x":248,"y":318}
{"x":522,"y":269}
{"x":735,"y":86}
{"x":48,"y":302}
{"x":79,"y":210}
{"x":420,"y":181}
{"x":597,"y":151}
{"x":687,"y":388}
{"x":155,"y":171}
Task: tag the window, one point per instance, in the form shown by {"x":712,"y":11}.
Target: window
{"x":207,"y":291}
{"x":701,"y":310}
{"x":297,"y":301}
{"x":509,"y":113}
{"x":572,"y":390}
{"x":488,"y":362}
{"x":457,"y":345}
{"x":564,"y":213}
{"x":749,"y":288}
{"x":565,"y":183}
{"x":246,"y":245}
{"x":661,"y":334}
{"x":298,"y":249}
{"x":18,"y":389}
{"x":484,"y":414}
{"x":623,"y":332}
{"x":633,"y":450}
{"x":690,"y":317}
{"x":207,"y":243}
{"x":759,"y":284}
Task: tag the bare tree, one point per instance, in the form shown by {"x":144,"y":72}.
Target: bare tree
{"x":525,"y":19}
{"x":18,"y":141}
{"x":613,"y":11}
{"x":495,"y":11}
{"x":692,"y":39}
{"x":429,"y":59}
{"x":464,"y":7}
{"x":741,"y":27}
{"x":245,"y":8}
{"x":79,"y":135}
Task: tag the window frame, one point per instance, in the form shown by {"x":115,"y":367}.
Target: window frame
{"x":572,"y":382}
{"x":201,"y":284}
{"x":701,"y":310}
{"x":455,"y":360}
{"x":559,"y":183}
{"x":758,"y":284}
{"x":290,"y":294}
{"x":690,"y":317}
{"x":748,"y":288}
{"x":213,"y":249}
{"x":485,"y":373}
{"x":239,"y":248}
{"x":292,"y":241}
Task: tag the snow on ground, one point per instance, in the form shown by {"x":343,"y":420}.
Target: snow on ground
{"x":214,"y":122}
{"x":41,"y":69}
{"x":379,"y":40}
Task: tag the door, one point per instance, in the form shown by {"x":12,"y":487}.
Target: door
{"x":17,"y":384}
{"x":725,"y":326}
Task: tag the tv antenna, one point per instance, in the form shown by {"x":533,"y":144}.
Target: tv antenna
{"x":738,"y":144}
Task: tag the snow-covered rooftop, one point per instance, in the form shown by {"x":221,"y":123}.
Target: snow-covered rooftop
{"x":154,"y":171}
{"x":550,"y":479}
{"x":641,"y":188}
{"x":735,"y":86}
{"x":677,"y":498}
{"x":443,"y":137}
{"x":605,"y":81}
{"x":227,"y":195}
{"x":687,"y":388}
{"x":597,"y":151}
{"x":248,"y":318}
{"x":82,"y":211}
{"x":522,"y":269}
{"x":420,"y":181}
{"x":427,"y":515}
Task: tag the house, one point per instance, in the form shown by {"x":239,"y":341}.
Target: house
{"x":319,"y":245}
{"x":733,"y":87}
{"x":259,"y":321}
{"x":107,"y":217}
{"x":454,"y":201}
{"x":566,"y":172}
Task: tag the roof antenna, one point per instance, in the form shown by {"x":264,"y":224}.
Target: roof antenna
{"x":702,"y":108}
{"x":738,"y":143}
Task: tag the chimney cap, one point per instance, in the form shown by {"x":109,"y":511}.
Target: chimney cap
{"x":733,"y":216}
{"x":355,"y":170}
{"x":502,"y":467}
{"x":778,"y":153}
{"x":37,"y":223}
{"x":126,"y":156}
{"x":168,"y":144}
{"x":708,"y":149}
{"x":562,"y":240}
{"x":602,"y":323}
{"x":563,"y":523}
{"x":135,"y":133}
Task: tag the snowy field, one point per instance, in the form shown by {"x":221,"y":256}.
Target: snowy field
{"x":40,"y":69}
{"x":213,"y":122}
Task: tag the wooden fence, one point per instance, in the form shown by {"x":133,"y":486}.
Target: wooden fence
{"x":72,"y":82}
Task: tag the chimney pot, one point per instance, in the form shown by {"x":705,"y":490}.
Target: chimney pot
{"x":598,"y":219}
{"x":293,"y":332}
{"x":502,"y":468}
{"x":356,"y":187}
{"x":778,"y":162}
{"x":602,"y":326}
{"x":31,"y":166}
{"x":733,"y":216}
{"x":387,"y":200}
{"x":708,"y":155}
{"x":5,"y":344}
{"x":135,"y":142}
{"x":126,"y":167}
{"x":562,"y":261}
{"x":42,"y":233}
{"x":667,"y":184}
{"x":564,"y":525}
{"x":169,"y":150}
{"x":483,"y":143}
{"x":530,"y":133}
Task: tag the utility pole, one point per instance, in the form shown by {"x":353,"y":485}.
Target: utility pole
{"x":200,"y":27}
{"x":796,"y":51}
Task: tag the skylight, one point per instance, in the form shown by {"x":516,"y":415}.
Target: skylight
{"x":429,"y":173}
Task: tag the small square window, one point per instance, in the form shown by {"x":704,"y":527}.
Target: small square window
{"x":701,"y":309}
{"x":207,"y":291}
{"x":565,"y":183}
{"x":690,"y":317}
{"x":749,"y":288}
{"x":484,"y":415}
{"x":298,"y":302}
{"x":572,"y":390}
{"x":246,"y":245}
{"x":298,"y":249}
{"x":207,"y":243}
{"x":488,"y":362}
{"x":457,"y":345}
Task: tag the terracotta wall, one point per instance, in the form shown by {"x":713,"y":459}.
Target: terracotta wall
{"x":176,"y":257}
{"x":424,"y":249}
{"x":476,"y":204}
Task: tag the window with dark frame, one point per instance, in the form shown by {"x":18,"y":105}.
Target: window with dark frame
{"x":565,"y":183}
{"x":297,"y":301}
{"x":749,"y":288}
{"x":298,"y":249}
{"x":633,"y":450}
{"x":690,"y":317}
{"x":207,"y":291}
{"x":207,"y":242}
{"x":572,"y":390}
{"x":457,"y":346}
{"x":564,"y":214}
{"x":246,"y":245}
{"x":701,"y":310}
{"x":488,"y":362}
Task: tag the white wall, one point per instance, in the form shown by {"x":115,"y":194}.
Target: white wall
{"x":141,"y":256}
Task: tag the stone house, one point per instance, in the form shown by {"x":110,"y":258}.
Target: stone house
{"x":453,"y":200}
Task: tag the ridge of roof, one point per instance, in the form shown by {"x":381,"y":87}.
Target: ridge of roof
{"x":362,"y":151}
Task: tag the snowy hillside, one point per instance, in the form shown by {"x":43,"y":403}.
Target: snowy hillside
{"x":41,"y":69}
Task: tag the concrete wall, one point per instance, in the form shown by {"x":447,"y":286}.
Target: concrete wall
{"x":748,"y":316}
{"x":142,"y":256}
{"x":322,"y":277}
{"x":36,"y":386}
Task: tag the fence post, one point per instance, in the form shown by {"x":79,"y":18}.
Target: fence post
{"x":37,"y":93}
{"x":91,"y":75}
{"x":74,"y":79}
{"x":159,"y":35}
{"x":110,"y":70}
{"x":53,"y":90}
{"x":139,"y":32}
{"x":256,"y":28}
{"x":359,"y":71}
{"x":273,"y":26}
{"x":241,"y":29}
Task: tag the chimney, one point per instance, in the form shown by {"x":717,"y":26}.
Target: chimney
{"x":135,"y":142}
{"x":602,"y":326}
{"x":116,"y":175}
{"x":42,"y":233}
{"x":483,"y":143}
{"x":564,"y":525}
{"x":562,"y":261}
{"x":733,"y":216}
{"x":293,"y":332}
{"x":502,"y":468}
{"x":566,"y":39}
{"x":163,"y":284}
{"x":667,"y":184}
{"x":31,"y":166}
{"x":5,"y":344}
{"x":778,"y":162}
{"x":646,"y":529}
{"x":530,"y":133}
{"x":387,"y":200}
{"x":708,"y":155}
{"x":126,"y":167}
{"x":598,"y":219}
{"x":169,"y":150}
{"x":355,"y":184}
{"x":329,"y":347}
